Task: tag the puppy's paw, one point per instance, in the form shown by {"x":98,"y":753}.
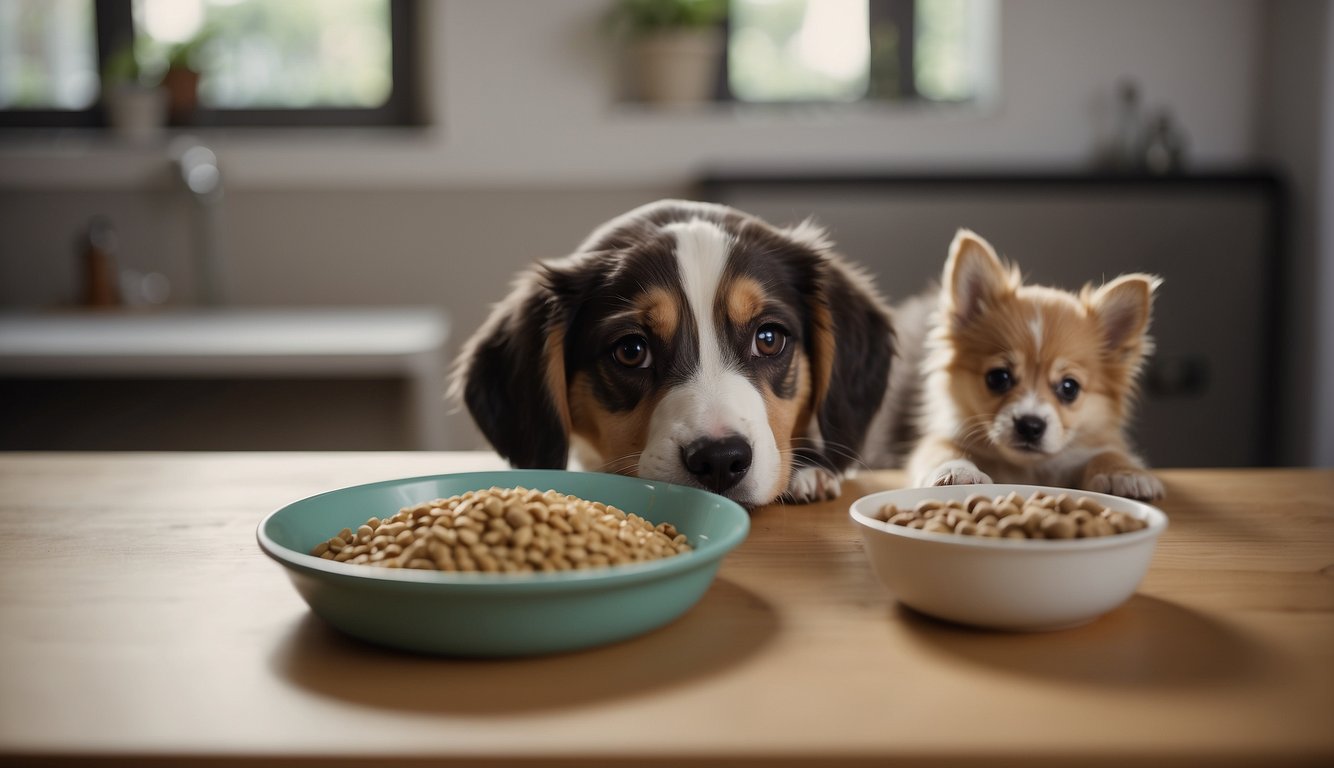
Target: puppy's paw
{"x":1128,"y":482}
{"x":957,"y":472}
{"x":810,"y":484}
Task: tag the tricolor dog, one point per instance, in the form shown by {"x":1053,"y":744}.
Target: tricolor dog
{"x":691,"y":343}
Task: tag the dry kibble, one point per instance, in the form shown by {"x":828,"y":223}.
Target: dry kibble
{"x":1031,"y":519}
{"x":928,"y":505}
{"x":504,"y":530}
{"x":1040,"y":516}
{"x":902,"y":518}
{"x":1058,"y":527}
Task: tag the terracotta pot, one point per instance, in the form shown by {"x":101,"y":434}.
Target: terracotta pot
{"x":182,"y":86}
{"x":679,"y":66}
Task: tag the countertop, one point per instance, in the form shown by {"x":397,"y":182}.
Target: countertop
{"x":232,"y":341}
{"x":242,"y":343}
{"x":140,"y":622}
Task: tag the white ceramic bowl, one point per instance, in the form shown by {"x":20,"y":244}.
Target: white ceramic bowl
{"x":1021,"y":585}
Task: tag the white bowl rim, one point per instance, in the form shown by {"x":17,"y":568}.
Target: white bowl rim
{"x":503,"y":582}
{"x":1155,"y":517}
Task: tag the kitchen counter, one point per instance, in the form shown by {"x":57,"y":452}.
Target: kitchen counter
{"x":406,"y":343}
{"x":139,"y":620}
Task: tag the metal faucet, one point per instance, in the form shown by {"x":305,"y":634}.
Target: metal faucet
{"x":197,"y":168}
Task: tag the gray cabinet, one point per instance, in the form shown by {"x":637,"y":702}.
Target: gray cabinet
{"x":1209,"y":393}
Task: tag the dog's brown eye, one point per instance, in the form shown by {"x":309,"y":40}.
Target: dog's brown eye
{"x":1067,"y":390}
{"x":999,"y":380}
{"x":769,"y":341}
{"x":632,"y":352}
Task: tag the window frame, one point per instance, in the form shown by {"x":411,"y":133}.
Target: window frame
{"x":902,"y":13}
{"x":114,"y":28}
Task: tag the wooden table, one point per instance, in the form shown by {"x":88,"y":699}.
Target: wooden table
{"x":139,"y":621}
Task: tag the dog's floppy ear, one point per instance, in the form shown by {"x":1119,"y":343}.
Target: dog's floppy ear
{"x":511,"y":375}
{"x":851,"y":343}
{"x":974,"y":276}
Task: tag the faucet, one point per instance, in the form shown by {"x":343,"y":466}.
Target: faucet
{"x":196,"y":166}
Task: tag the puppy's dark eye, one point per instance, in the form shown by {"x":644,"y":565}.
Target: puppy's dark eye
{"x":999,"y":380}
{"x":770,"y":340}
{"x":1067,"y":390}
{"x":632,"y":351}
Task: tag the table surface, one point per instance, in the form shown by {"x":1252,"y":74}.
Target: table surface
{"x":138,"y":620}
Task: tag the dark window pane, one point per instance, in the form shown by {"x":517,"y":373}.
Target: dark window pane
{"x":48,"y":54}
{"x":273,"y":54}
{"x":849,"y":50}
{"x":798,"y":50}
{"x":952,"y":48}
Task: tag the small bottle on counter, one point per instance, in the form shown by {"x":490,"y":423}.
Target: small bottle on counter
{"x":1164,"y":146}
{"x":101,"y":277}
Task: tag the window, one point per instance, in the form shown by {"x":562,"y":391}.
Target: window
{"x":850,"y":50}
{"x":260,"y":62}
{"x":47,"y":54}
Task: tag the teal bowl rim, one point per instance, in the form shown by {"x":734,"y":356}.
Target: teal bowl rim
{"x":490,"y":582}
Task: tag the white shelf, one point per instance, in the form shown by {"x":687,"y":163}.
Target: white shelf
{"x":241,"y":343}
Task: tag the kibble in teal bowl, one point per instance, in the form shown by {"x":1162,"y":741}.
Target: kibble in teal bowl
{"x":503,"y":614}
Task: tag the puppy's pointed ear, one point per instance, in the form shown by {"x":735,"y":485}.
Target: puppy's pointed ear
{"x":1123,"y":308}
{"x":852,"y":343}
{"x":974,"y":276}
{"x":511,"y":375}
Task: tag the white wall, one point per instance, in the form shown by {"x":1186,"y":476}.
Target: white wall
{"x":524,"y":94}
{"x":528,"y":97}
{"x":1295,"y":137}
{"x":1323,"y":401}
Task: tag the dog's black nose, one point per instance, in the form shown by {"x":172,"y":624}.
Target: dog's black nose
{"x":1030,"y":428}
{"x":718,"y":464}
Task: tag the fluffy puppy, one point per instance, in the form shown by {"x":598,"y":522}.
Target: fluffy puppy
{"x":686,"y":342}
{"x":1029,"y":384}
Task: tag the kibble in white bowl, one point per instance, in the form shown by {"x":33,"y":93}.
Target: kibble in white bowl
{"x":1002,"y":583}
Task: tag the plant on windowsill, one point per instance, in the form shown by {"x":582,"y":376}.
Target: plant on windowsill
{"x":181,"y":80}
{"x":136,"y":108}
{"x":676,"y":47}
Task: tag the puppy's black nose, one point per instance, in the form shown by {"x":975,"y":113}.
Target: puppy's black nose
{"x":1030,"y":428}
{"x":717,"y":464}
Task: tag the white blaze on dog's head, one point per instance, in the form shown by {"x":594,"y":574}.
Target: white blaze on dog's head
{"x":716,"y":401}
{"x":686,"y":342}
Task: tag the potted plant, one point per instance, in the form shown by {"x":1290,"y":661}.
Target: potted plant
{"x":181,"y":80}
{"x":676,"y":47}
{"x":136,"y":108}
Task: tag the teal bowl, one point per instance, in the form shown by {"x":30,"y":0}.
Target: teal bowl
{"x":509,"y":614}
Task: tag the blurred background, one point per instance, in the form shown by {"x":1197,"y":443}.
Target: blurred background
{"x":269,"y":225}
